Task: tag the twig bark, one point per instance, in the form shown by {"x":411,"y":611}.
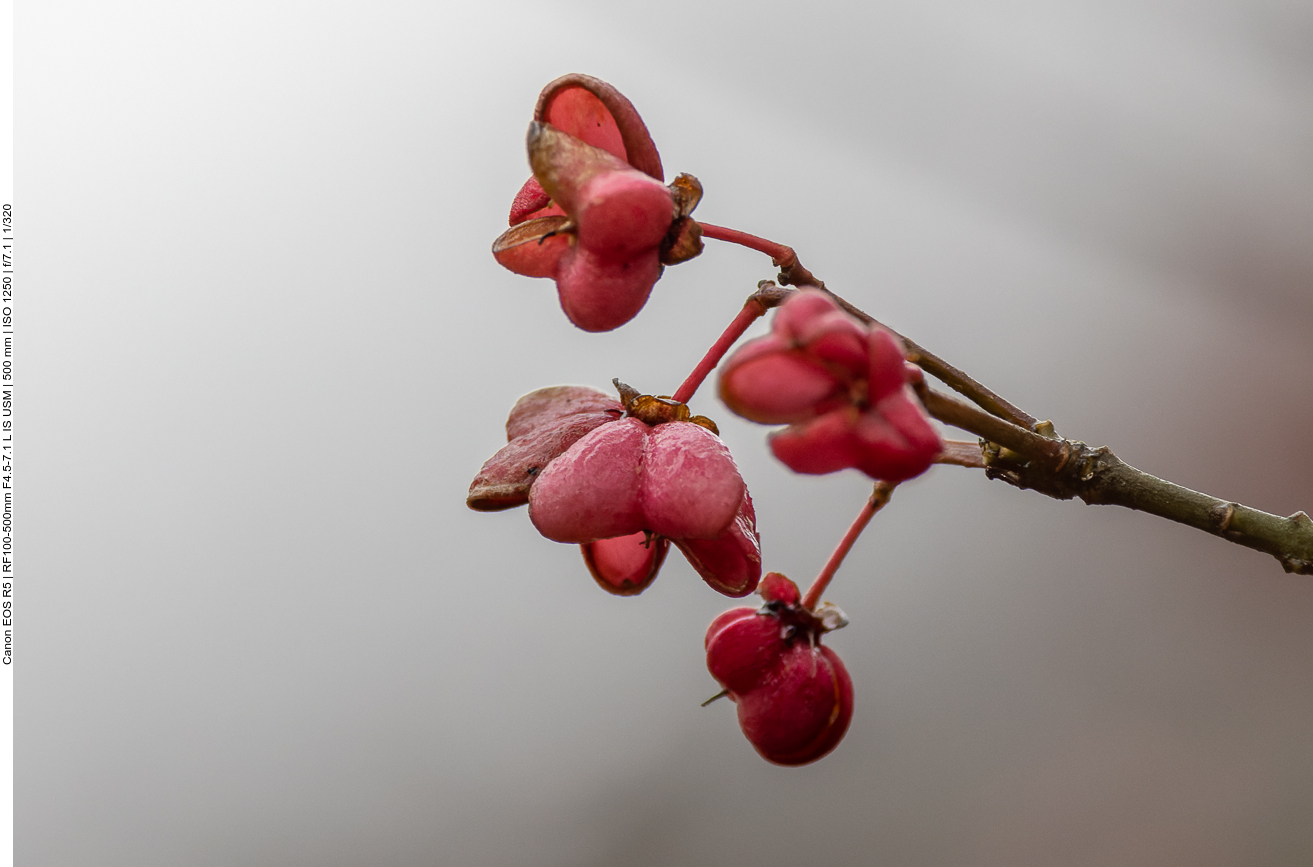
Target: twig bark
{"x":792,"y":273}
{"x":955,"y":379}
{"x":1064,"y":469}
{"x":962,"y":454}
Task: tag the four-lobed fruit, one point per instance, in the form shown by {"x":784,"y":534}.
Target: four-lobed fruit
{"x":794,"y":696}
{"x":841,"y":386}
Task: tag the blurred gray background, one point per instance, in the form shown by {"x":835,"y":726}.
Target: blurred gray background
{"x":264,"y":349}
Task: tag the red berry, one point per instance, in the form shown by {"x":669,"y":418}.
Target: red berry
{"x":794,"y":696}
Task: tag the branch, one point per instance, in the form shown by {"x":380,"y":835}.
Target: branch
{"x":1025,"y":442}
{"x":962,"y":454}
{"x":1024,"y":452}
{"x":792,"y":273}
{"x":1064,"y":469}
{"x":955,"y":379}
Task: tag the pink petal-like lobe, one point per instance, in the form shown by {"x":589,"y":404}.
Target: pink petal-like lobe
{"x":885,"y":370}
{"x":839,"y":341}
{"x":506,"y":478}
{"x":822,"y":445}
{"x":766,"y":381}
{"x":546,"y":405}
{"x":894,"y":440}
{"x":601,"y":294}
{"x":577,"y":111}
{"x":625,"y":565}
{"x":592,"y":491}
{"x":730,"y":563}
{"x":803,"y":710}
{"x":691,"y":486}
{"x":541,"y":426}
{"x":794,"y":320}
{"x":742,"y":647}
{"x":533,"y":248}
{"x":596,"y":112}
{"x":622,"y":214}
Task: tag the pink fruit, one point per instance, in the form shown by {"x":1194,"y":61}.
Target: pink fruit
{"x":677,"y":480}
{"x":624,"y":488}
{"x":595,"y":216}
{"x":794,"y":696}
{"x":841,"y":386}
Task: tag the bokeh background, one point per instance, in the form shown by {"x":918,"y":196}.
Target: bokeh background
{"x":264,"y":349}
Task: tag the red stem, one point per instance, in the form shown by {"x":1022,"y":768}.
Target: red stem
{"x":875,"y":503}
{"x":768,"y":295}
{"x":778,"y":253}
{"x":749,"y":314}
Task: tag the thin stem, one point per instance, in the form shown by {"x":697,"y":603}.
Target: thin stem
{"x":1025,"y":442}
{"x":955,"y":379}
{"x":792,"y":273}
{"x":719,"y":695}
{"x":778,"y":253}
{"x":960,"y":453}
{"x":768,"y":295}
{"x":876,"y":502}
